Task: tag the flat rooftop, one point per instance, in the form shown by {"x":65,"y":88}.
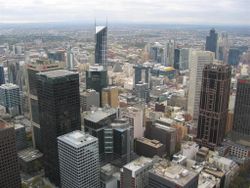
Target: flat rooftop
{"x":9,"y":86}
{"x":100,"y":114}
{"x":138,"y":164}
{"x":57,"y":73}
{"x":3,"y":124}
{"x":77,"y":139}
{"x":29,"y":154}
{"x":152,"y":143}
{"x":173,"y":172}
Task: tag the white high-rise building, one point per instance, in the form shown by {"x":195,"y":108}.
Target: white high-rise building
{"x":198,"y":60}
{"x":79,"y":160}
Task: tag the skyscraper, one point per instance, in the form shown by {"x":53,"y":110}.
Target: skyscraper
{"x":212,"y":42}
{"x":177,"y":58}
{"x":141,"y":74}
{"x":198,"y":60}
{"x":101,"y":45}
{"x":110,"y":96}
{"x":214,"y":100}
{"x":10,"y":98}
{"x":242,"y":107}
{"x":32,"y":69}
{"x":9,"y":168}
{"x":233,"y":56}
{"x":59,"y":113}
{"x":2,"y":79}
{"x":79,"y":160}
{"x":142,"y":91}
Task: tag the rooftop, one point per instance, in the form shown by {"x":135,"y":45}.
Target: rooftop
{"x":9,"y":86}
{"x":29,"y":154}
{"x":96,"y":67}
{"x":173,"y":173}
{"x":18,"y":126}
{"x":138,"y":164}
{"x":152,"y":143}
{"x":57,"y":73}
{"x":100,"y":114}
{"x":3,"y":124}
{"x":77,"y":139}
{"x":99,"y":28}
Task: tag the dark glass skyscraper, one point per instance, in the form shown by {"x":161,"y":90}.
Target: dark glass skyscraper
{"x":101,"y":45}
{"x":142,"y":74}
{"x":233,"y":56}
{"x":9,"y":168}
{"x":242,"y":107}
{"x":212,"y":42}
{"x":2,"y":79}
{"x":215,"y":90}
{"x":59,"y":113}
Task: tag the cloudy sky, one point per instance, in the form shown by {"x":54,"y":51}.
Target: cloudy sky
{"x":226,"y":12}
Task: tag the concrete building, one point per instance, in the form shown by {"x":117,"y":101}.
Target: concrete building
{"x":110,"y":96}
{"x":79,"y":160}
{"x":198,"y":61}
{"x":142,"y":91}
{"x":10,"y":98}
{"x":9,"y":169}
{"x":149,"y":148}
{"x":110,"y":176}
{"x":165,"y":174}
{"x":20,"y":137}
{"x":59,"y":113}
{"x":135,"y":115}
{"x":135,"y":173}
{"x":189,"y":149}
{"x":89,"y":98}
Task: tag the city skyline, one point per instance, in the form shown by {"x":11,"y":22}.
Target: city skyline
{"x":225,"y":12}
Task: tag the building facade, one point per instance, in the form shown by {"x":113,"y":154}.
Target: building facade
{"x":101,"y":45}
{"x":212,"y":42}
{"x":59,"y":113}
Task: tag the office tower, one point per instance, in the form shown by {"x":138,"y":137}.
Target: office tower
{"x":2,"y":78}
{"x":214,"y":100}
{"x":89,"y":98}
{"x":149,"y":148}
{"x":142,"y":74}
{"x":70,"y":59}
{"x":101,"y":45}
{"x":157,"y":53}
{"x":184,"y":58}
{"x":13,"y":68}
{"x":110,"y":96}
{"x":97,"y":79}
{"x":242,"y":107}
{"x":79,"y":160}
{"x":9,"y":168}
{"x":142,"y":91}
{"x":170,"y":53}
{"x":163,"y":133}
{"x":96,"y":121}
{"x":177,"y":58}
{"x":20,"y":137}
{"x":59,"y":113}
{"x":233,"y":56}
{"x":135,"y":173}
{"x":135,"y":115}
{"x":198,"y":60}
{"x":170,"y":175}
{"x":32,"y":69}
{"x":212,"y":42}
{"x":10,"y":98}
{"x":56,"y":55}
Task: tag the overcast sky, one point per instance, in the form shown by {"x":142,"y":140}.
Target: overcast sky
{"x":226,"y":12}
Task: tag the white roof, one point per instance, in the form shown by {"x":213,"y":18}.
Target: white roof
{"x":99,"y":28}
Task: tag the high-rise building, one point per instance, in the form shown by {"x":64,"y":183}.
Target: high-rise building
{"x":212,"y":42}
{"x":101,"y":45}
{"x":56,"y":55}
{"x":59,"y":113}
{"x":141,"y":74}
{"x":2,"y":78}
{"x":135,"y":173}
{"x":198,"y":60}
{"x":10,"y":98}
{"x":79,"y":160}
{"x":110,"y":96}
{"x":89,"y":98}
{"x":157,"y":53}
{"x":32,"y":69}
{"x":242,"y":107}
{"x":177,"y":58}
{"x":184,"y":58}
{"x":20,"y":137}
{"x":170,"y":53}
{"x":214,"y":101}
{"x":142,"y":91}
{"x":9,"y":168}
{"x":97,"y":79}
{"x":233,"y":56}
